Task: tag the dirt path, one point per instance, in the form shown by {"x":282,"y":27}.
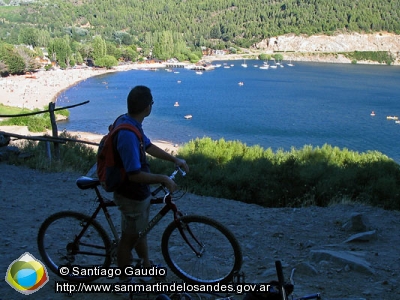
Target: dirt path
{"x":294,"y":236}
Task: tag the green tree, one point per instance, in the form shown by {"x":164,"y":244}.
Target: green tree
{"x":13,"y":62}
{"x":107,"y":61}
{"x":60,"y":51}
{"x":129,"y":54}
{"x":29,"y":36}
{"x":99,"y":47}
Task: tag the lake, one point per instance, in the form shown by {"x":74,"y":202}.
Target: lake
{"x":306,"y":104}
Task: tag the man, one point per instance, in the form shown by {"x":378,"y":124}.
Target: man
{"x":133,"y":198}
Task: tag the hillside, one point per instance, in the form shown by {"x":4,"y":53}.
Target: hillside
{"x":106,"y":31}
{"x":220,"y":23}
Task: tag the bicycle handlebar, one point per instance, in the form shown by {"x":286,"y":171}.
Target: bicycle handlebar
{"x":172,"y":176}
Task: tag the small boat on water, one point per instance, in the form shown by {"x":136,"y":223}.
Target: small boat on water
{"x":187,"y":117}
{"x":392,"y":118}
{"x":372,"y":113}
{"x":176,"y":104}
{"x":199,"y":72}
{"x":241,"y":83}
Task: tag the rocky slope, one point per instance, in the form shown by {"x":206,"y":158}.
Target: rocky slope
{"x":321,"y":45}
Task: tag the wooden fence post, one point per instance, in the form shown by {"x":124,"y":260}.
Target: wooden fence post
{"x":54,"y":130}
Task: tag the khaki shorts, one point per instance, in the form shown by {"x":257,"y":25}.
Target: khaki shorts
{"x":134,"y":214}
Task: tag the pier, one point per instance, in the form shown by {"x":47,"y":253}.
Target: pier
{"x":172,"y":65}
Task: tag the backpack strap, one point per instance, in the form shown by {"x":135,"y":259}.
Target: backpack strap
{"x":126,"y":126}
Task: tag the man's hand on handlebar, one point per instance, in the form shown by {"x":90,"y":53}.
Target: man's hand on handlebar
{"x":182,"y":164}
{"x":170,"y":184}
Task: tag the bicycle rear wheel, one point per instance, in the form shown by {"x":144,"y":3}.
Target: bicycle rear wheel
{"x":216,"y":255}
{"x":59,"y":246}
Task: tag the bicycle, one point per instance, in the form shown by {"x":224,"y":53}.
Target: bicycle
{"x":197,"y":249}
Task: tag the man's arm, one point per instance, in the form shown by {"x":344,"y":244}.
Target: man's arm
{"x":150,"y":178}
{"x":157,"y":152}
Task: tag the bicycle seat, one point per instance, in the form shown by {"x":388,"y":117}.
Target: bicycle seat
{"x":85,"y":182}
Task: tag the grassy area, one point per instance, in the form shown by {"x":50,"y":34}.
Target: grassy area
{"x":74,"y":157}
{"x":382,"y":57}
{"x":229,"y":169}
{"x":35,"y":123}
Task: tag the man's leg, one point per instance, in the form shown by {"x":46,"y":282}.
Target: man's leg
{"x":143,"y":252}
{"x":134,"y":218}
{"x":124,"y":254}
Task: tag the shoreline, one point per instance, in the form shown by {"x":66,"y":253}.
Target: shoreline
{"x":37,"y":90}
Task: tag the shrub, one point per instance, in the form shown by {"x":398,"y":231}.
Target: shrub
{"x":310,"y":175}
{"x":107,"y":61}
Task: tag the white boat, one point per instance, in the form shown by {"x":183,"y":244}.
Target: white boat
{"x":199,"y":72}
{"x":241,"y":83}
{"x":265,"y":66}
{"x":187,"y":117}
{"x":244,"y":65}
{"x":275,"y":65}
{"x":176,"y":103}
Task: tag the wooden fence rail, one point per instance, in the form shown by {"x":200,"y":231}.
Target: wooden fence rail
{"x":55,"y":138}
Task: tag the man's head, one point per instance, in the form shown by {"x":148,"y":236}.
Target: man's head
{"x":139,"y":99}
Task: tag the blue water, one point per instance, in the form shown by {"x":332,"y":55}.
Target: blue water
{"x":307,"y":104}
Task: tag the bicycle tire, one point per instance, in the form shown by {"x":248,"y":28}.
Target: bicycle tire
{"x":55,"y":242}
{"x":221,"y":252}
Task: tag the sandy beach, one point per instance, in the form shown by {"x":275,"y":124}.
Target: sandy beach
{"x":37,"y":90}
{"x":41,"y":88}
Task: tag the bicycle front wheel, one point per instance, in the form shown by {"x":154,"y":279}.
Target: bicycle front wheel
{"x":64,"y":241}
{"x":201,"y":250}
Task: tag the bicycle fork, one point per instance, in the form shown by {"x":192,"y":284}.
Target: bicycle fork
{"x":182,"y":226}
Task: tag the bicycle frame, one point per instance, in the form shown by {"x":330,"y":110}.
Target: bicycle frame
{"x":87,"y":182}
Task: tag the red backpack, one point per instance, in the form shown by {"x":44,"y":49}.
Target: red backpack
{"x":110,"y":170}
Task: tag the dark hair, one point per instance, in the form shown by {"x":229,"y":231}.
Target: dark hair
{"x":138,"y":99}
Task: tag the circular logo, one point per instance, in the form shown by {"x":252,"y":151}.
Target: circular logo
{"x":26,"y":274}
